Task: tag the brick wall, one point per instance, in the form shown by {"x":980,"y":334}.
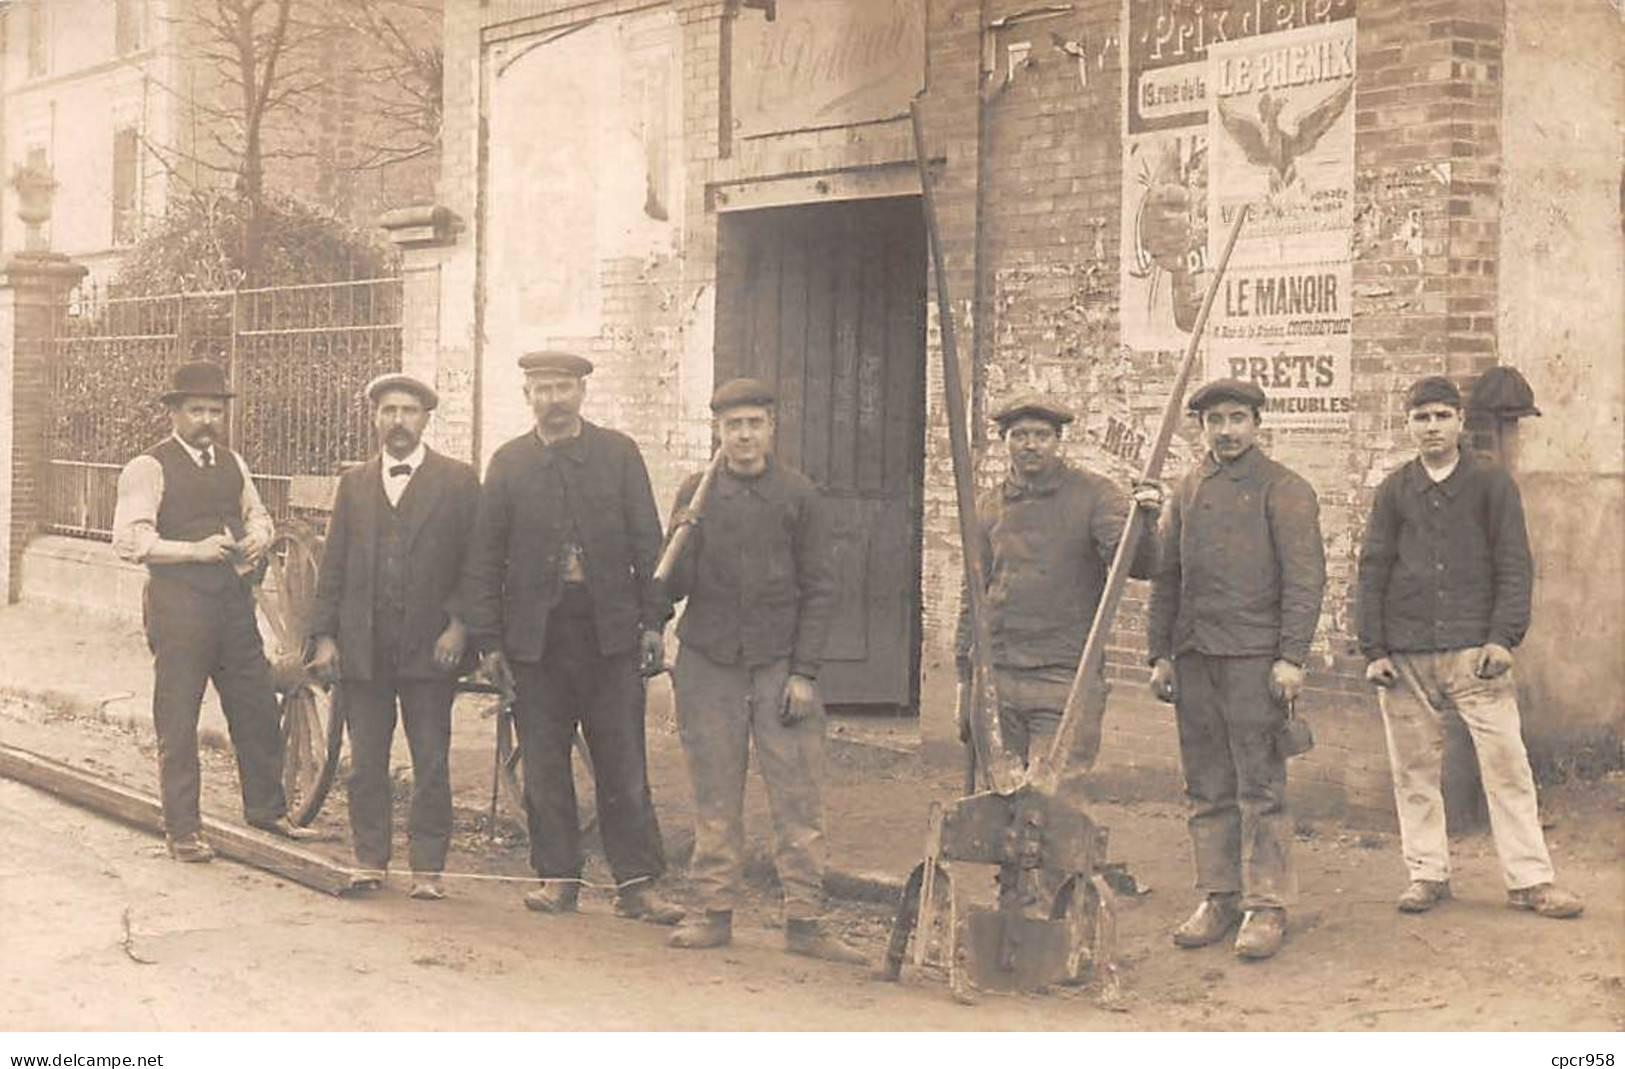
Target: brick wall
{"x":1049,"y":146}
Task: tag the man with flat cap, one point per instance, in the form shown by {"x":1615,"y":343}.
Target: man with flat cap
{"x":187,"y":509}
{"x":758,"y":571}
{"x":1445,"y":584}
{"x":1233,"y":608}
{"x":1047,"y":537}
{"x":387,"y":625}
{"x":559,"y":590}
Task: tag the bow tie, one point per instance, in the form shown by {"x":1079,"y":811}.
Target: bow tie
{"x":400,"y":469}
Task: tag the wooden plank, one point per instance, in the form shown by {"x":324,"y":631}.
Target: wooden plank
{"x":905,"y":348}
{"x":259,"y":849}
{"x":797,"y":226}
{"x":872,"y":338}
{"x":843,"y":467}
{"x":760,"y":358}
{"x":820,"y":358}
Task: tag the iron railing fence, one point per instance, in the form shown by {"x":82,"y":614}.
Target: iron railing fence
{"x":297,"y":358}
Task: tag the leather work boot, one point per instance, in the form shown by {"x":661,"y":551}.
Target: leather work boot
{"x":368,"y":880}
{"x":190,"y":848}
{"x":1212,"y":920}
{"x":1262,"y":933}
{"x":1548,"y":900}
{"x":713,"y":928}
{"x":285,"y":828}
{"x":640,"y":903}
{"x":426,"y":886}
{"x":553,"y":896}
{"x":1423,"y":895}
{"x":811,"y":939}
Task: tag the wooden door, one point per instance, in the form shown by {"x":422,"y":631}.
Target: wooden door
{"x":827,"y":303}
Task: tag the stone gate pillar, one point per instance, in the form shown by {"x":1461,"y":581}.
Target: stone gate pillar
{"x":33,"y":288}
{"x":422,"y":234}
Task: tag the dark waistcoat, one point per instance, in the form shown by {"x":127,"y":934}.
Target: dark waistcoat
{"x":197,"y":503}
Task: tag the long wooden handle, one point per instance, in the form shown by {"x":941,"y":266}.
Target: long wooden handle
{"x":1048,"y":771}
{"x":999,"y":769}
{"x":679,"y":535}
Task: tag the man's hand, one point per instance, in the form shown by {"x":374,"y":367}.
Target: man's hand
{"x":252,"y":548}
{"x":324,"y":660}
{"x":1163,"y":687}
{"x":1147,"y":495}
{"x":215,"y":549}
{"x":1493,"y":660}
{"x":1286,"y":682}
{"x":651,"y":653}
{"x":1381,"y":672}
{"x":449,"y":647}
{"x":495,"y":665}
{"x":800,"y":700}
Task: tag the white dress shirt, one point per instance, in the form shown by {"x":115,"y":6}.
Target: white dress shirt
{"x":395,"y":485}
{"x":141,"y":490}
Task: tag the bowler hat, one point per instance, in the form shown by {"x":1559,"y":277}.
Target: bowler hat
{"x":1035,"y":405}
{"x":1433,"y":390}
{"x":554,"y":360}
{"x":1505,"y":392}
{"x":201,"y":378}
{"x":736,"y":392}
{"x":1237,"y":390}
{"x":399,"y":381}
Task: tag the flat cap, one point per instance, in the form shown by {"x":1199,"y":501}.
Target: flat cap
{"x":1504,"y":391}
{"x":1433,"y":390}
{"x":554,"y":360}
{"x":736,"y":392}
{"x":1238,"y":390}
{"x":201,"y":378}
{"x":1035,"y":405}
{"x":398,"y":381}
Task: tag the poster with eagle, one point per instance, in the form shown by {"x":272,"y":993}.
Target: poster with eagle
{"x":1281,"y":140}
{"x":1171,"y":135}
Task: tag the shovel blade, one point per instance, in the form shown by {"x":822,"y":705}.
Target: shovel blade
{"x":1007,"y":952}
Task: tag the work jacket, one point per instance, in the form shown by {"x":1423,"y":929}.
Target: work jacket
{"x":1045,"y":547}
{"x":758,"y":570}
{"x":1242,"y":569}
{"x":592,"y":491}
{"x":1444,"y":565}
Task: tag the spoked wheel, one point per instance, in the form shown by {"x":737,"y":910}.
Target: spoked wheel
{"x":312,"y":736}
{"x":312,"y":725}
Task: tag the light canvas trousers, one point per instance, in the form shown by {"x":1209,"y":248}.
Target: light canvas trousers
{"x":1432,"y":686}
{"x":721,"y":710}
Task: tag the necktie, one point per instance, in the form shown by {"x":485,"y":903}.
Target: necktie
{"x":400,"y":469}
{"x":208,"y":457}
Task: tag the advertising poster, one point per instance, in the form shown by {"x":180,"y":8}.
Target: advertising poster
{"x":1281,"y":141}
{"x":1171,"y":130}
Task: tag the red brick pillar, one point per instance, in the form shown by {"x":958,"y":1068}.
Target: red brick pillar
{"x":32,"y":289}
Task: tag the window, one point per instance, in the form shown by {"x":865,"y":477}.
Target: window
{"x":129,"y":18}
{"x":38,"y":40}
{"x":126,"y":185}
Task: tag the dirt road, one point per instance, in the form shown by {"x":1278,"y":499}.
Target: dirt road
{"x":100,"y":930}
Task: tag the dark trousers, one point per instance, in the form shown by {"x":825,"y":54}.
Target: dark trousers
{"x":573,"y":683}
{"x":1235,"y":777}
{"x":197,"y":637}
{"x":369,"y":713}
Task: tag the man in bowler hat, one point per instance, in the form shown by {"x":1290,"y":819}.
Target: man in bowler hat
{"x":559,"y":590}
{"x":1233,"y":607}
{"x":388,"y":627}
{"x":187,"y":509}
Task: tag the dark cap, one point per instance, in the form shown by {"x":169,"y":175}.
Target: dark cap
{"x":398,"y":381}
{"x":1034,"y":405}
{"x":553,"y":360}
{"x":1433,"y":390}
{"x":736,"y":392}
{"x":1505,"y":392}
{"x":1237,"y":390}
{"x":201,"y":378}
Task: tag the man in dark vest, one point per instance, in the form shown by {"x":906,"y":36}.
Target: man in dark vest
{"x":386,"y":622}
{"x":559,"y":589}
{"x":188,"y":510}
